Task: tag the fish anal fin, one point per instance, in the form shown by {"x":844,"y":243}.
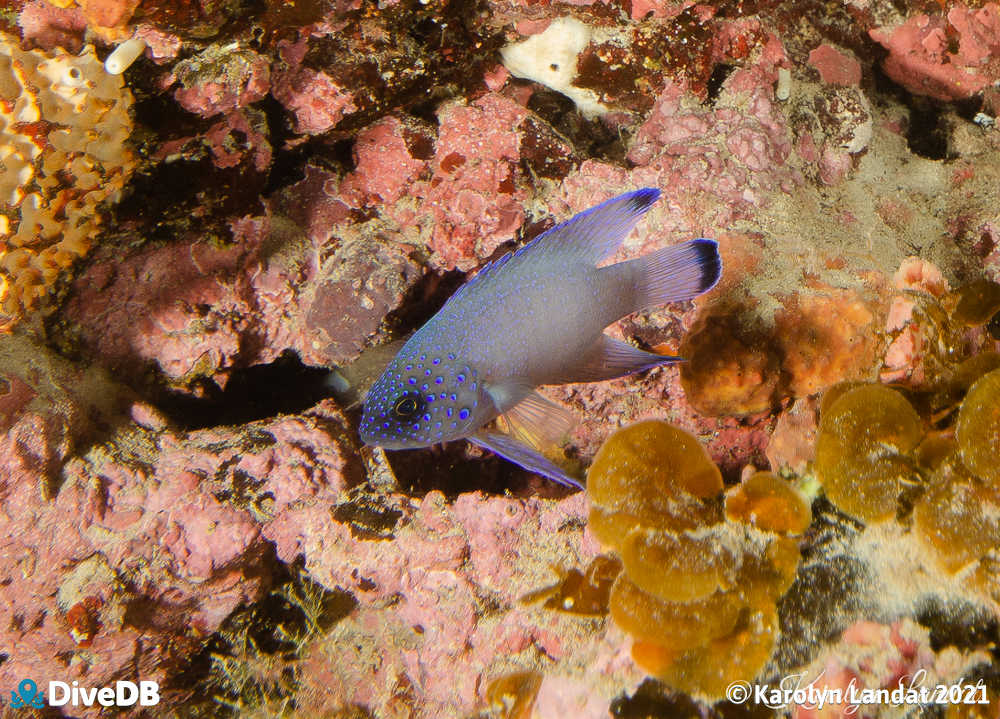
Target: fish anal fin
{"x":610,"y":358}
{"x":523,"y":456}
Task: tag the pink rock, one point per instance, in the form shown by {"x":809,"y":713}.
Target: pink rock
{"x":172,"y":539}
{"x":835,"y":66}
{"x":904,"y":357}
{"x":922,"y":276}
{"x":192,"y":307}
{"x":161,"y":46}
{"x":240,"y":136}
{"x":733,"y":158}
{"x":313,"y":206}
{"x":496,"y":78}
{"x":220,"y":80}
{"x":317,"y":100}
{"x":15,"y":397}
{"x":145,"y":415}
{"x":169,"y":330}
{"x":422,"y":600}
{"x":385,"y":166}
{"x":356,"y":288}
{"x":46,"y":26}
{"x":900,"y":313}
{"x":474,"y":200}
{"x":47,"y":407}
{"x":532,"y":27}
{"x":921,"y":60}
{"x":793,"y":443}
{"x":870,"y":655}
{"x":834,"y":165}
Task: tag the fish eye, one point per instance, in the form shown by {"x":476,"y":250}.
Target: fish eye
{"x":406,"y":406}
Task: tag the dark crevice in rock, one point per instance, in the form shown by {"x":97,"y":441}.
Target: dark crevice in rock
{"x":928,"y":133}
{"x":958,"y":623}
{"x":423,"y":300}
{"x":715,"y":81}
{"x":285,"y":386}
{"x":289,"y":164}
{"x":457,"y":467}
{"x":828,"y":592}
{"x":654,"y":699}
{"x":590,"y":138}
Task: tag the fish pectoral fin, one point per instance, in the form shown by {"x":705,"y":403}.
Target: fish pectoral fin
{"x":610,"y":358}
{"x":509,"y":392}
{"x":523,"y":456}
{"x":538,"y":422}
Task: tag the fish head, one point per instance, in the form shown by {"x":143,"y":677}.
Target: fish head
{"x":422,"y":400}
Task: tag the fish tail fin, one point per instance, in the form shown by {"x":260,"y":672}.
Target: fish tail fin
{"x":676,"y":273}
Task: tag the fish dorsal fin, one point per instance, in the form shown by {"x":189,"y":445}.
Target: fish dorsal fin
{"x":596,"y":233}
{"x":586,"y":238}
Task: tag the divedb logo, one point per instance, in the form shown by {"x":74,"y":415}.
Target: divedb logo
{"x":122,"y":694}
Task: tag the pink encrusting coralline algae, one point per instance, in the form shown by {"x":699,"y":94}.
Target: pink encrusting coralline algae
{"x":186,"y":495}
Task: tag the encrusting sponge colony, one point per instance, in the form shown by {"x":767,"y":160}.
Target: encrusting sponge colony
{"x":64,"y":122}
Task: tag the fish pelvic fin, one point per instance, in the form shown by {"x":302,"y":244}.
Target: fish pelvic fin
{"x":676,"y":273}
{"x":610,"y":358}
{"x":523,"y":456}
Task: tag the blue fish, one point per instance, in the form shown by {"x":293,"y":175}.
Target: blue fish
{"x":534,"y":317}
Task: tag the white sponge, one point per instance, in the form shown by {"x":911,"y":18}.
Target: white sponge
{"x":550,"y":58}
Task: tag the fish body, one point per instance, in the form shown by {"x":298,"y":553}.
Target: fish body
{"x":534,"y":317}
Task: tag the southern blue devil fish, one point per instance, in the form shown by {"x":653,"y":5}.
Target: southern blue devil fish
{"x":534,"y":317}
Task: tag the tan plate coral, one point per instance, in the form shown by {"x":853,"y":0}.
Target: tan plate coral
{"x":863,"y":452}
{"x":876,"y":458}
{"x":701,"y":580}
{"x":958,"y":517}
{"x":64,"y":122}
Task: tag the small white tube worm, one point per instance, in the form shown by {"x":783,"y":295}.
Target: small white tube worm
{"x":124,"y":55}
